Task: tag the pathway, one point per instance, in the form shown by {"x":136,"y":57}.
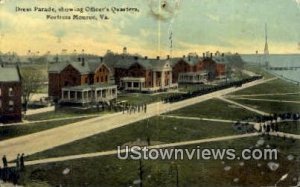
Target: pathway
{"x":243,"y":106}
{"x":40,"y":141}
{"x":114,"y":152}
{"x":206,"y":119}
{"x":266,"y":100}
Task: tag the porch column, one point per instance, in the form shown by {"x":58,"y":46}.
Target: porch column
{"x":76,"y":95}
{"x":171,"y":78}
{"x":162,"y":79}
{"x":62,"y":94}
{"x":95,"y":95}
{"x":69,"y":95}
{"x":154,"y":78}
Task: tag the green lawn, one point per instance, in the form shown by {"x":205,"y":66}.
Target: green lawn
{"x":64,"y":113}
{"x":7,"y":132}
{"x":160,"y":130}
{"x":290,"y":97}
{"x":275,"y":86}
{"x":214,"y":108}
{"x":270,"y":107}
{"x":110,"y":171}
{"x":290,"y":127}
{"x":258,"y":70}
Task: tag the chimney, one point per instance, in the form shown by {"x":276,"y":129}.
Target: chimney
{"x":157,"y":58}
{"x":211,"y":55}
{"x":189,"y":57}
{"x":168,"y":57}
{"x":203,"y":55}
{"x":146,"y":57}
{"x":183,"y":56}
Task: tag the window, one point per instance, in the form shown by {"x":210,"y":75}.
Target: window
{"x":11,"y":105}
{"x":97,"y":79}
{"x":10,"y":92}
{"x":86,"y":80}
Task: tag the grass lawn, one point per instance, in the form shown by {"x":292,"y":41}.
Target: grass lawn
{"x":270,"y":107}
{"x":160,"y":130}
{"x":290,"y":97}
{"x":7,"y":132}
{"x":214,"y":108}
{"x":110,"y":171}
{"x":275,"y":86}
{"x":258,"y":70}
{"x":290,"y":127}
{"x":63,"y":113}
{"x":138,"y":98}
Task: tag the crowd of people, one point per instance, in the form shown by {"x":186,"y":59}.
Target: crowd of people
{"x":271,"y":123}
{"x":12,"y":174}
{"x":131,"y":109}
{"x":203,"y":91}
{"x":267,"y":123}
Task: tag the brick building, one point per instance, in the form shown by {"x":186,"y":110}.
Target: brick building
{"x":144,"y":75}
{"x":10,"y":95}
{"x":193,"y":69}
{"x":77,"y":77}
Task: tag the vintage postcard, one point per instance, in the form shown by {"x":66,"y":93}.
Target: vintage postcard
{"x":150,"y":93}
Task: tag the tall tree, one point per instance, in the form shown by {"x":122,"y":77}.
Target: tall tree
{"x":32,"y":81}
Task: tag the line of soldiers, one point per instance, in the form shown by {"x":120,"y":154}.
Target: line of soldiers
{"x":271,"y":123}
{"x":8,"y":174}
{"x":135,"y":108}
{"x":203,"y":91}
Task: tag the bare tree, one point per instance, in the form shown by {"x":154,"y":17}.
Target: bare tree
{"x":32,"y":81}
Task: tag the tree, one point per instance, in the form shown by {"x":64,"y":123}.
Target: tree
{"x":32,"y":81}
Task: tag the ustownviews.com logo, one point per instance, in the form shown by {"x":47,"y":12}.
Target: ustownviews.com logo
{"x":146,"y":153}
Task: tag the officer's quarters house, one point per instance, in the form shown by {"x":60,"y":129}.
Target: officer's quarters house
{"x":10,"y":95}
{"x":193,"y":69}
{"x":81,"y":82}
{"x":144,"y":75}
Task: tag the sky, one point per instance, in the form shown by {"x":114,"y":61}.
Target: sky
{"x":192,"y":25}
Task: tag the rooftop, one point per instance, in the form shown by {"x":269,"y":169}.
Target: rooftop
{"x":9,"y":74}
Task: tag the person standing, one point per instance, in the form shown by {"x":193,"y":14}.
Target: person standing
{"x":22,"y":163}
{"x":4,"y":160}
{"x":18,"y":163}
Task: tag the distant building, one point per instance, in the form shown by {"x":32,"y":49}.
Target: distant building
{"x":193,"y":69}
{"x":78,"y":82}
{"x":10,"y":95}
{"x":144,"y":75}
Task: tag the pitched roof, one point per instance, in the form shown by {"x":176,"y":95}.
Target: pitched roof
{"x":86,"y":68}
{"x":9,"y":75}
{"x":148,"y":64}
